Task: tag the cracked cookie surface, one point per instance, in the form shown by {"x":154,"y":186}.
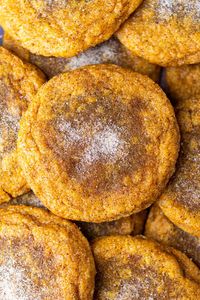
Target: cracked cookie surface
{"x":98,"y":143}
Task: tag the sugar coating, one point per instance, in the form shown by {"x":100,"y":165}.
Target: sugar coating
{"x":108,"y":51}
{"x":186,"y":182}
{"x":9,"y":121}
{"x":106,"y":143}
{"x":179,"y":8}
{"x":15,"y":283}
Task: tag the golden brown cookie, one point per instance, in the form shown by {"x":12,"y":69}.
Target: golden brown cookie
{"x":166,"y":33}
{"x":133,"y":225}
{"x":43,"y":257}
{"x":110,"y":51}
{"x":161,"y":229}
{"x":98,"y":143}
{"x":19,"y":82}
{"x":181,"y":200}
{"x":183,"y":82}
{"x":63,"y":28}
{"x":130,"y":268}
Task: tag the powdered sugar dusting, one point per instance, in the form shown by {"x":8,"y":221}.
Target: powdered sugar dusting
{"x":106,"y":143}
{"x":15,"y":284}
{"x":69,"y":134}
{"x":179,"y":8}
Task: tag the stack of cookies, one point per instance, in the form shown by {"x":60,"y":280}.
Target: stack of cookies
{"x":100,"y":150}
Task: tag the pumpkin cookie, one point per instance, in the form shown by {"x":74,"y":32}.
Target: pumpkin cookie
{"x":98,"y":143}
{"x":19,"y":82}
{"x":166,"y":33}
{"x":183,"y":82}
{"x":133,"y":224}
{"x":57,"y":262}
{"x":160,"y":228}
{"x":130,"y":268}
{"x":63,"y":28}
{"x":110,"y":51}
{"x":181,"y":200}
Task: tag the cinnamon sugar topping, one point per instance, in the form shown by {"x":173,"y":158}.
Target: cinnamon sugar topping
{"x":178,"y":8}
{"x":99,"y":148}
{"x":9,"y":120}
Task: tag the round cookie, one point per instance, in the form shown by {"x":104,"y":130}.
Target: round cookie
{"x":166,"y":33}
{"x":64,"y":28}
{"x":103,"y":143}
{"x":183,"y":82}
{"x":181,"y":200}
{"x":110,"y":51}
{"x":57,"y":262}
{"x":19,"y":82}
{"x":161,"y":229}
{"x":130,"y":268}
{"x":133,"y":225}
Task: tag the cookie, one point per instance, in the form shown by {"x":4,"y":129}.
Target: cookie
{"x":19,"y":82}
{"x":133,"y":225}
{"x":43,"y":257}
{"x":63,"y":28}
{"x":130,"y":268}
{"x":183,"y":82}
{"x":110,"y":51}
{"x":181,"y":200}
{"x":166,"y":33}
{"x":103,"y":143}
{"x":161,"y":229}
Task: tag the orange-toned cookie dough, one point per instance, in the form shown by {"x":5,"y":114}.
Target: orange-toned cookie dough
{"x":19,"y":82}
{"x":161,"y":229}
{"x":183,"y":82}
{"x":133,"y":225}
{"x":166,"y":33}
{"x":130,"y":268}
{"x":181,"y":200}
{"x":110,"y":51}
{"x":98,"y":143}
{"x":43,"y":257}
{"x":63,"y":28}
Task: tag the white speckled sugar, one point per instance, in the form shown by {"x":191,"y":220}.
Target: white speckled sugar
{"x":15,"y":285}
{"x":169,"y":8}
{"x":108,"y":51}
